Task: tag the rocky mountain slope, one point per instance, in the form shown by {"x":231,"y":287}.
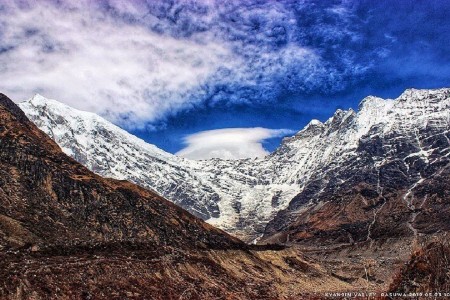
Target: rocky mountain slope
{"x":42,"y":186}
{"x":380,"y":193}
{"x":226,"y":193}
{"x":243,"y":196}
{"x":385,"y":177}
{"x":110,"y":151}
{"x":67,"y":233}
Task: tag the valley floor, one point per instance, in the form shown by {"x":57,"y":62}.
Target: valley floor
{"x":138,"y":272}
{"x":212,"y":274}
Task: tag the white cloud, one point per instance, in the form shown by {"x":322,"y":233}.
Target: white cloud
{"x":136,"y":62}
{"x":125,"y":72}
{"x":229,"y":143}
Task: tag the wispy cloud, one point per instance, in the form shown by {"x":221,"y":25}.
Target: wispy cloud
{"x":96,"y":63}
{"x":229,"y":143}
{"x":138,"y":61}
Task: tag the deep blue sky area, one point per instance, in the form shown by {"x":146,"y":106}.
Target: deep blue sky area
{"x":294,"y":114}
{"x":403,"y":44}
{"x":167,"y":70}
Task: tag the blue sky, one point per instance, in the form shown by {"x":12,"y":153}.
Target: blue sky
{"x":169,"y":70}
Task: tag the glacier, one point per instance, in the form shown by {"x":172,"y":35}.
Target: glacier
{"x":238,"y":196}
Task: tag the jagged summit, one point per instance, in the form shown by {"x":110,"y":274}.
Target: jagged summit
{"x":372,"y":102}
{"x":242,"y":196}
{"x":420,"y":94}
{"x":38,"y":98}
{"x":64,"y":123}
{"x":315,"y":122}
{"x":43,"y":103}
{"x":373,"y":176}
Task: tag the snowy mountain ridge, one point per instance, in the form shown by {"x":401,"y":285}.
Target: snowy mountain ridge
{"x":239,"y":196}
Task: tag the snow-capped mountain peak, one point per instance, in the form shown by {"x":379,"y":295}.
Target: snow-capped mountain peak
{"x":58,"y":117}
{"x":240,"y":196}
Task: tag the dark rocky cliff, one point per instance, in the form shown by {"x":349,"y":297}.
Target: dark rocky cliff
{"x":394,"y":185}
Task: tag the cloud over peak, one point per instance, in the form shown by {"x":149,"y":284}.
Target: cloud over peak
{"x":229,"y":143}
{"x":137,"y":61}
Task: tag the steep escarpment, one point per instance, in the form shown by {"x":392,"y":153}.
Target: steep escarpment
{"x":391,"y":183}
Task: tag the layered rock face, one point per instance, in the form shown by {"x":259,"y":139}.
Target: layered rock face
{"x":386,"y":149}
{"x":386,"y":176}
{"x":67,"y":233}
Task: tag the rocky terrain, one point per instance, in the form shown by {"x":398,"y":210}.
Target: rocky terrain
{"x":428,"y":270}
{"x":112,"y":152}
{"x":356,"y":194}
{"x":225,"y":193}
{"x":390,"y":182}
{"x":384,"y":148}
{"x":67,"y":233}
{"x":387,"y":198}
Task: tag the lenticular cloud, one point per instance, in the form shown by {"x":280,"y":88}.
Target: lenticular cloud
{"x":229,"y":143}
